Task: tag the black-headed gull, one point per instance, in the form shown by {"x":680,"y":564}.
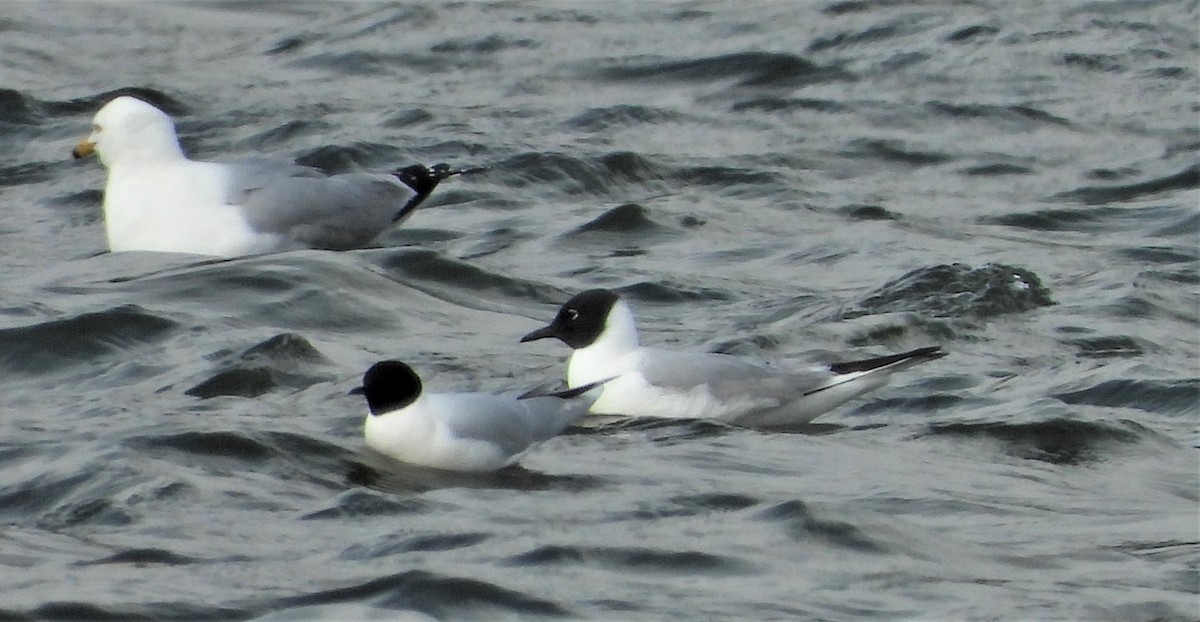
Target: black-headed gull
{"x":469,"y":432}
{"x":646,"y":382}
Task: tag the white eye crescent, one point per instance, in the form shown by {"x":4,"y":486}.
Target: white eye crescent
{"x":572,"y":315}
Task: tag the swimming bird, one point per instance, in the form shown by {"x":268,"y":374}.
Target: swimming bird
{"x":470,"y":432}
{"x":600,"y":328}
{"x":156,"y":199}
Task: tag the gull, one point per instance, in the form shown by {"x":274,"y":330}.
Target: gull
{"x":647,"y":382}
{"x":156,"y":199}
{"x":468,"y":432}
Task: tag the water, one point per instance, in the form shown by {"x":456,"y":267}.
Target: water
{"x":1014,"y":180}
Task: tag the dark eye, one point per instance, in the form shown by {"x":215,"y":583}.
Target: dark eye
{"x":571,"y":315}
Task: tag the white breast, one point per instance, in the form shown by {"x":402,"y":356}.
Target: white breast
{"x":178,"y":207}
{"x":414,"y":436}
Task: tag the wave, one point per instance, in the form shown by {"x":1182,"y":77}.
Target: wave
{"x":894,"y":152}
{"x":1024,"y":115}
{"x":620,"y":116}
{"x":958,"y":290}
{"x":393,"y":544}
{"x":1057,"y":441}
{"x":803,"y":524}
{"x":183,"y":612}
{"x":438,"y":595}
{"x":873,"y":34}
{"x":371,"y":63}
{"x":1187,"y":179}
{"x":490,"y":44}
{"x":757,"y":69}
{"x":1168,"y":397}
{"x":285,"y":360}
{"x":634,"y":559}
{"x":573,"y":175}
{"x":623,"y":223}
{"x":435,"y":273}
{"x":19,"y":108}
{"x":792,"y":104}
{"x":84,"y":340}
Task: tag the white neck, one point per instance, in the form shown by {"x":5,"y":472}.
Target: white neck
{"x":610,"y":354}
{"x":176,"y":206}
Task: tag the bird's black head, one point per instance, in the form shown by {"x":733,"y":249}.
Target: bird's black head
{"x":388,"y":386}
{"x":580,"y":320}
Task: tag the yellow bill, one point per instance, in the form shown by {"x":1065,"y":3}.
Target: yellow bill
{"x":84,"y":149}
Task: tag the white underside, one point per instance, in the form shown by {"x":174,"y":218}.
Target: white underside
{"x":424,"y":442}
{"x":629,"y":394}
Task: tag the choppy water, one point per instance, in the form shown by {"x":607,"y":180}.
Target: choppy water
{"x":1014,"y":180}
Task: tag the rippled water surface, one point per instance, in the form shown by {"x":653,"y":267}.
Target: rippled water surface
{"x":778,"y":180}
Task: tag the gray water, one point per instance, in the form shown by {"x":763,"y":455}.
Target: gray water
{"x":1016,"y":181}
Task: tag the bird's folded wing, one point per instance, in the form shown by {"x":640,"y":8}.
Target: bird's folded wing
{"x":494,"y":419}
{"x":337,"y":212}
{"x":728,"y":378}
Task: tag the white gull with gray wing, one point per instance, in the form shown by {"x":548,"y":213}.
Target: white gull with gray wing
{"x":156,"y":199}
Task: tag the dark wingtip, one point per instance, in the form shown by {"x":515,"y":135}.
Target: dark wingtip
{"x":423,"y":179}
{"x":443,"y":170}
{"x":554,"y":389}
{"x":919,"y":355}
{"x":926,"y":352}
{"x":546,"y":389}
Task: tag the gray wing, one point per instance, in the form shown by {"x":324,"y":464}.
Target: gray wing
{"x":728,"y":377}
{"x":305,"y":206}
{"x":251,"y":174}
{"x":515,"y":424}
{"x":548,"y":415}
{"x":498,"y":419}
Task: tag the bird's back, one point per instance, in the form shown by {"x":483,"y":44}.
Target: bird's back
{"x":310,"y":209}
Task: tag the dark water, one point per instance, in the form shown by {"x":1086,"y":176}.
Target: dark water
{"x":1015,"y":180}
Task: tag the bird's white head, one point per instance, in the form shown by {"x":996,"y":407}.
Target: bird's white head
{"x":128,"y":130}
